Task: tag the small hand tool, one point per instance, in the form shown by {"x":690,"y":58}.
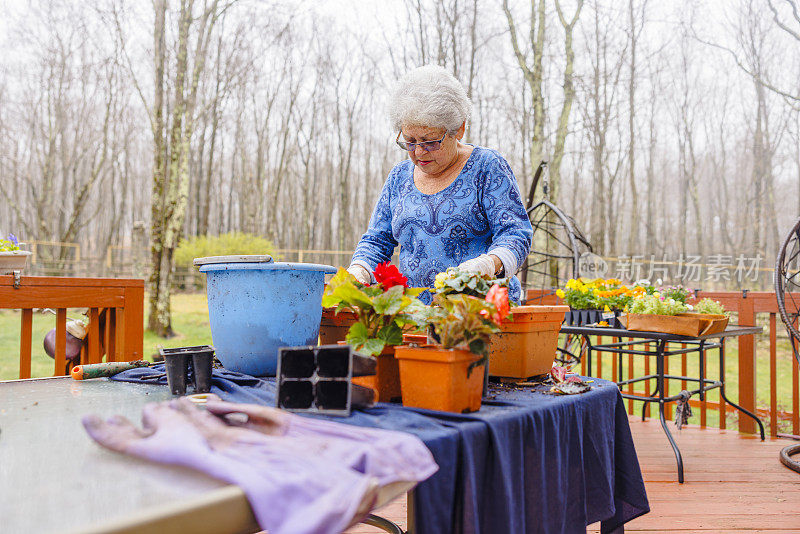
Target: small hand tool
{"x":98,"y":370}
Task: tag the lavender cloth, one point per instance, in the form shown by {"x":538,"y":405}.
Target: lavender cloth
{"x":300,"y":475}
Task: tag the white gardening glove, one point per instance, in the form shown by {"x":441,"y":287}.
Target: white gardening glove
{"x":483,"y":264}
{"x":361,"y":274}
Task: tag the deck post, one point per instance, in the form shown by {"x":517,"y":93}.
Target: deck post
{"x":747,"y":366}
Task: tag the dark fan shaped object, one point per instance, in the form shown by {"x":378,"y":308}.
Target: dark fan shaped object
{"x":556,"y":250}
{"x":787,"y":292}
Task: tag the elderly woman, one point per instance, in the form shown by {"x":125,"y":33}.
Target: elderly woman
{"x":451,"y":203}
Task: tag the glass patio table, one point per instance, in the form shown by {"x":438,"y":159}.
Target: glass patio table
{"x":658,"y":344}
{"x":54,"y":478}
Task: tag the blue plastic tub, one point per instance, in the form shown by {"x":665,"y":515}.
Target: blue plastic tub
{"x":255,"y":307}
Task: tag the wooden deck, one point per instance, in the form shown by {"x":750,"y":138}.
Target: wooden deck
{"x":734,"y":483}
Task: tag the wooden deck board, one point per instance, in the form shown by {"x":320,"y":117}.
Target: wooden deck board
{"x":734,"y":483}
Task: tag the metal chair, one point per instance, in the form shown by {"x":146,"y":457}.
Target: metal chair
{"x":556,"y":251}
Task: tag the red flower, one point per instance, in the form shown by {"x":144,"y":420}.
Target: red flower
{"x":499,"y":297}
{"x":389,"y":275}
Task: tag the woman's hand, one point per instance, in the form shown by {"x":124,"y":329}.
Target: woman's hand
{"x":485,"y":264}
{"x":360,"y":273}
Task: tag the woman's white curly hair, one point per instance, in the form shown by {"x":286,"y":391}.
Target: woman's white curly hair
{"x":429,"y":96}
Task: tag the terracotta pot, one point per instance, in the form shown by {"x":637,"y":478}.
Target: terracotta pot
{"x":333,"y":327}
{"x":386,"y":380}
{"x":526,"y":346}
{"x":684,"y":324}
{"x":435,"y":378}
{"x":14,"y":260}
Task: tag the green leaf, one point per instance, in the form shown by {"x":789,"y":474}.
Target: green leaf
{"x":479,"y":346}
{"x":415,"y":291}
{"x":391,"y":334}
{"x":372,"y":347}
{"x":389,"y":302}
{"x":341,"y":277}
{"x":328,"y":301}
{"x":358,"y":334}
{"x":373,"y":290}
{"x":350,"y":293}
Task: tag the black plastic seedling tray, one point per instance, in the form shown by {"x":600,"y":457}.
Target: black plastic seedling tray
{"x":315,"y":379}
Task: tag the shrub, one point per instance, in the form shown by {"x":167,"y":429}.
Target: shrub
{"x":234,"y":243}
{"x":222,"y":245}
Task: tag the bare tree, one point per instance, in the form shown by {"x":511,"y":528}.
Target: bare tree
{"x":171,"y":178}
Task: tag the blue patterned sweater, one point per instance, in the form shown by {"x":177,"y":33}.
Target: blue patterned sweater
{"x":480,"y":212}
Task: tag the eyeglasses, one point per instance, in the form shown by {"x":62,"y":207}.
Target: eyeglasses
{"x":427,"y":146}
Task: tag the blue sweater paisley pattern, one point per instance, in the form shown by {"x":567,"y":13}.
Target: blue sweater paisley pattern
{"x":480,"y":212}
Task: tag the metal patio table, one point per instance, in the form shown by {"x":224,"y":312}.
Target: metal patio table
{"x":642,"y":345}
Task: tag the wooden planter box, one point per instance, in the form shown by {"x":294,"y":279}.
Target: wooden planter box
{"x":527,"y":344}
{"x":333,"y":327}
{"x":684,"y":324}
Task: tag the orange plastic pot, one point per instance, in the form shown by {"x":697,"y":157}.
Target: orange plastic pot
{"x":526,"y":346}
{"x":386,"y":380}
{"x":435,"y":378}
{"x":333,"y":327}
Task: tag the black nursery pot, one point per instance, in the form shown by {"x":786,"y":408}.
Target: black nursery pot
{"x":201,"y":361}
{"x":178,"y":363}
{"x":177,"y":367}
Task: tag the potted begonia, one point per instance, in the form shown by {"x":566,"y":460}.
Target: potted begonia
{"x":449,"y":375}
{"x":525,"y":344}
{"x":337,"y":320}
{"x":378,"y":315}
{"x":11,"y":257}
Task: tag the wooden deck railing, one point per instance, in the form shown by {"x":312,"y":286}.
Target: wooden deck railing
{"x":752,"y":308}
{"x":118,"y":301}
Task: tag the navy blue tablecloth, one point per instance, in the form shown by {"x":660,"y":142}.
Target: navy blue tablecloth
{"x":526,"y":462}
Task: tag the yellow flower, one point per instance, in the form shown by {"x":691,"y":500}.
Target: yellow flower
{"x":438,"y":283}
{"x":572,"y":283}
{"x":560,"y":293}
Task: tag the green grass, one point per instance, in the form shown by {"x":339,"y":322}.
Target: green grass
{"x":189,"y":321}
